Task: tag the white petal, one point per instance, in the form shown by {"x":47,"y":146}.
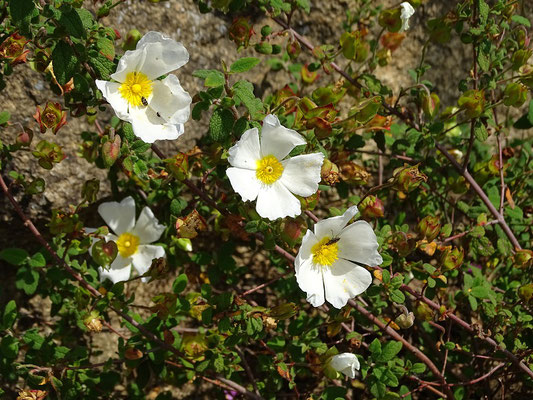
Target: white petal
{"x":277,"y":140}
{"x":304,"y":253}
{"x":246,"y":152}
{"x":149,"y":127}
{"x":131,"y":61}
{"x":332,"y":227}
{"x":147,"y":227}
{"x":120,"y":217}
{"x":301,"y":174}
{"x":406,"y":13}
{"x":142,"y":259}
{"x":244,"y":182}
{"x":347,"y":363}
{"x":309,"y":278}
{"x":275,"y":201}
{"x":119,"y":271}
{"x":163,"y":54}
{"x":343,"y":281}
{"x":358,"y":242}
{"x":113,"y":97}
{"x":170,"y":100}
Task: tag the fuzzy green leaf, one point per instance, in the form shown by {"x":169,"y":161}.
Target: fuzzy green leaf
{"x":243,"y":65}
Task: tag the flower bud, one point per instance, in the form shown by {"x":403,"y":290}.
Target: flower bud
{"x":523,"y":258}
{"x":12,"y":49}
{"x":404,"y":243}
{"x":93,"y":322}
{"x":353,"y":173}
{"x":131,"y":39}
{"x":25,"y":137}
{"x":526,"y":292}
{"x":430,"y":104}
{"x":405,"y":321}
{"x":329,"y":173}
{"x":90,"y":190}
{"x":266,"y":30}
{"x":452,"y":258}
{"x":408,"y":178}
{"x":520,"y":58}
{"x":372,"y":207}
{"x":111,"y":151}
{"x":390,"y":19}
{"x":52,"y":117}
{"x":263,"y":48}
{"x":179,"y":166}
{"x":159,"y":268}
{"x":276,"y":49}
{"x":283,"y":311}
{"x":293,"y":48}
{"x":48,"y":154}
{"x":473,"y":102}
{"x":292,"y":230}
{"x":241,"y":31}
{"x":32,"y":394}
{"x":392,"y":40}
{"x":429,"y":227}
{"x":515,"y":94}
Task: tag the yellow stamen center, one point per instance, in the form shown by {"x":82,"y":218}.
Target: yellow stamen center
{"x":135,"y":87}
{"x":325,"y":254}
{"x":269,"y":169}
{"x":127,"y":244}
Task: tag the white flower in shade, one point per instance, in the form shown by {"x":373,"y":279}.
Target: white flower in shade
{"x":261,"y":169}
{"x":406,"y":13}
{"x":347,"y":363}
{"x":132,"y":239}
{"x":327,"y":262}
{"x":157,"y":109}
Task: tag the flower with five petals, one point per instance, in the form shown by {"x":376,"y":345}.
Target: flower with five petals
{"x":157,"y":109}
{"x":327,"y":264}
{"x":260,"y":169}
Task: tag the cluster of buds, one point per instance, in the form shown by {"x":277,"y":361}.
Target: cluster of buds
{"x":472,"y":102}
{"x":515,"y":94}
{"x":329,"y":173}
{"x":51,"y":117}
{"x":32,"y":394}
{"x":319,"y":118}
{"x":240,"y":32}
{"x":63,"y":222}
{"x":93,"y":322}
{"x":452,"y":258}
{"x":429,"y":227}
{"x":12,"y":49}
{"x":408,"y":178}
{"x":372,"y":207}
{"x":48,"y":154}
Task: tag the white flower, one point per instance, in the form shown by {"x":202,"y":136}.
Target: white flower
{"x":323,"y":264}
{"x":261,"y":170}
{"x":132,"y":239}
{"x":347,"y":363}
{"x":406,"y":13}
{"x":157,"y":109}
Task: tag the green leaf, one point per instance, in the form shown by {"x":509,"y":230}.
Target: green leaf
{"x":37,"y":260}
{"x":180,"y":283}
{"x":418,"y":368}
{"x":4,"y":117}
{"x":22,"y":12}
{"x":484,"y":61}
{"x":530,"y":111}
{"x":64,"y":61}
{"x":483,"y":11}
{"x":102,"y":65}
{"x":397,"y":296}
{"x":27,"y":279}
{"x":480,"y":131}
{"x":211,"y":77}
{"x":72,"y":22}
{"x":480,"y":292}
{"x":243,"y":65}
{"x":14,"y":256}
{"x":389,"y":351}
{"x":334,"y":393}
{"x":9,"y":347}
{"x":244,"y":91}
{"x":10,"y":315}
{"x":221,"y":125}
{"x":304,"y":5}
{"x":521,"y":20}
{"x":375,"y":347}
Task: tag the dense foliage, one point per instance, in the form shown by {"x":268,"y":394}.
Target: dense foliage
{"x":446,"y":188}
